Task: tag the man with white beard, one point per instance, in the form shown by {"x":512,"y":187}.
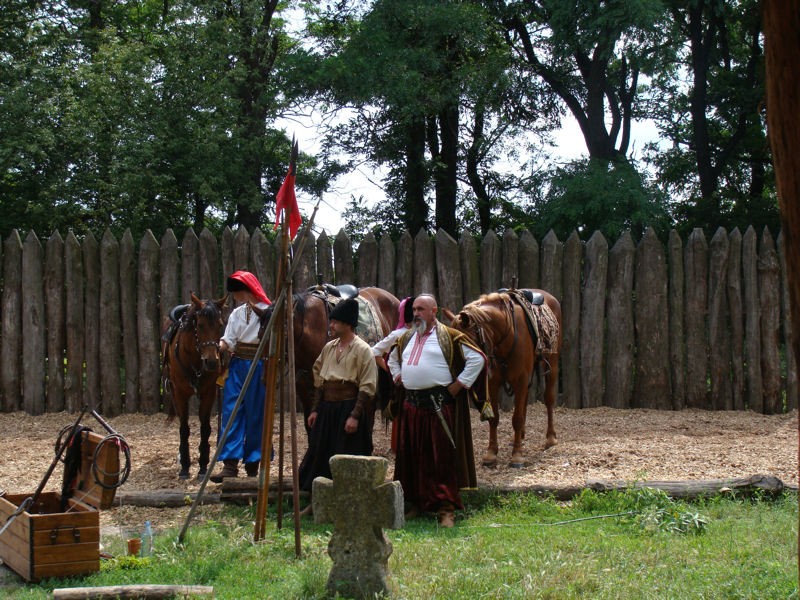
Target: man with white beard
{"x":437,"y":366}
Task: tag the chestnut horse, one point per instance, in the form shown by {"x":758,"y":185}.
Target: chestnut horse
{"x":311,"y":311}
{"x":498,"y":324}
{"x":191,"y":365}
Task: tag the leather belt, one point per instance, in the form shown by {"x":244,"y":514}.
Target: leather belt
{"x":246,"y":351}
{"x":423,"y":398}
{"x":337,"y":391}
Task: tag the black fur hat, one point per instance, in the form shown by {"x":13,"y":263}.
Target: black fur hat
{"x":346,"y":312}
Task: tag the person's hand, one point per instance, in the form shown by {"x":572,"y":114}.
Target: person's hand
{"x":351,"y":425}
{"x":382,"y":363}
{"x":312,"y":418}
{"x":454,"y":388}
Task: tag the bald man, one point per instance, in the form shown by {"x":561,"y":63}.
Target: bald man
{"x":436,"y":366}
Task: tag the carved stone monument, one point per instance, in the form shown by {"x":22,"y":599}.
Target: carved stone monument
{"x":360,"y":503}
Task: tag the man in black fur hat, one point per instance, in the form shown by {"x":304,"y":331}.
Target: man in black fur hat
{"x":345,"y":378}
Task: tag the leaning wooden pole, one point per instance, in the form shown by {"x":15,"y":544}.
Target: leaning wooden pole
{"x":269,"y":418}
{"x":293,"y":429}
{"x":271,"y":386}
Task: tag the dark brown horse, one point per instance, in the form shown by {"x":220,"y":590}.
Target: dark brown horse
{"x":191,"y":366}
{"x":498,"y":324}
{"x":311,"y":310}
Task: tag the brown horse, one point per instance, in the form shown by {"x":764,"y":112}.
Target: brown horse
{"x":498,"y":324}
{"x":191,"y":366}
{"x":311,"y":312}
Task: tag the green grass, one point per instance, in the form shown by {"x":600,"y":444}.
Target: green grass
{"x":634,"y":544}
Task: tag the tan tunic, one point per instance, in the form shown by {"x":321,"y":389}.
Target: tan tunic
{"x":357,"y":364}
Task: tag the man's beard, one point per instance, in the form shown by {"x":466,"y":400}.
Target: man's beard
{"x":419,"y":326}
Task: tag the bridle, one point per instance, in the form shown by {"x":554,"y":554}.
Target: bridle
{"x":485,"y":340}
{"x":188,"y":320}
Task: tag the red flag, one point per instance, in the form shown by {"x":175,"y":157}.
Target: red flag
{"x":286,"y":200}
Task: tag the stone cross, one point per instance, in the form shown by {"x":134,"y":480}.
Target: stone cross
{"x":360,"y":503}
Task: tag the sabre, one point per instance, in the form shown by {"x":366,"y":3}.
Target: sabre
{"x":437,"y":408}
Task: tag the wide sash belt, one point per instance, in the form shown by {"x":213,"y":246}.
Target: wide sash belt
{"x":424,"y":398}
{"x":337,"y":391}
{"x":246,"y":351}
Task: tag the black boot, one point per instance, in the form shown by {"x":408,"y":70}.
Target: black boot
{"x":251,"y":469}
{"x":230,"y":468}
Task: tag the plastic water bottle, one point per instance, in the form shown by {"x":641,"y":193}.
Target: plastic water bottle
{"x":147,"y":539}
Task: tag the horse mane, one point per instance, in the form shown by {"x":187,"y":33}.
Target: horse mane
{"x":475,"y":310}
{"x":299,"y":302}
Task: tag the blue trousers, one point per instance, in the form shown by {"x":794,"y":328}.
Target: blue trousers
{"x":244,"y":437}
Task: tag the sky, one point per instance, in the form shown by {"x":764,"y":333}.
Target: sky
{"x":365,"y":182}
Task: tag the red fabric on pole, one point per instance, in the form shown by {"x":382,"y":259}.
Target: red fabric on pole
{"x":287,"y":201}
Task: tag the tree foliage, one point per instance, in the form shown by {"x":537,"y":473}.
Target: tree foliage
{"x":150,"y":115}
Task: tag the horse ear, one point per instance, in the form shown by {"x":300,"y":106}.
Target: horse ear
{"x":221,"y":302}
{"x":463,"y":319}
{"x":449,"y":316}
{"x":195,"y":300}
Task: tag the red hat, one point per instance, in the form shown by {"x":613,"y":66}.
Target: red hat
{"x":245,"y":280}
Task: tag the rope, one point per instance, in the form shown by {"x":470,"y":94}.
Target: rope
{"x":570,"y":521}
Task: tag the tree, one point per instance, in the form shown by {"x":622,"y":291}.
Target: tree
{"x":598,"y":195}
{"x":592,"y":55}
{"x":711,"y":109}
{"x":408,"y":68}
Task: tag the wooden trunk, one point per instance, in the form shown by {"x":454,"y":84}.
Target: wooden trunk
{"x":46,"y":541}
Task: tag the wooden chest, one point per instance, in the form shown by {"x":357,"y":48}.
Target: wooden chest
{"x":46,"y":541}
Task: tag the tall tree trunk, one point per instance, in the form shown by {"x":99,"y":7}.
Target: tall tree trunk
{"x":446,"y":171}
{"x":781,"y":24}
{"x":476,"y":182}
{"x":415,"y":207}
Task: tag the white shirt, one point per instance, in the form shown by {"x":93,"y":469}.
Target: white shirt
{"x":243,"y":326}
{"x":424,"y":365}
{"x":382,"y":347}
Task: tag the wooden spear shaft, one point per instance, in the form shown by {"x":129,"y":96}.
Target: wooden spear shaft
{"x":293,"y":429}
{"x":269,"y":401}
{"x":261,"y":504}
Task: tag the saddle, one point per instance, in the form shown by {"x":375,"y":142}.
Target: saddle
{"x":343,"y":291}
{"x":175,"y":316}
{"x":542,"y":323}
{"x":369,"y":321}
{"x":534,"y":298}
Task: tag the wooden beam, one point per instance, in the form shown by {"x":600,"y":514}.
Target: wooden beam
{"x":113,"y":592}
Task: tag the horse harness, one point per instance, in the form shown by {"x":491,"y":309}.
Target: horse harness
{"x":527,"y":300}
{"x":186,"y":318}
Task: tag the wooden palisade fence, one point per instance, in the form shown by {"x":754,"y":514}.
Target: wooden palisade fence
{"x":694,"y":323}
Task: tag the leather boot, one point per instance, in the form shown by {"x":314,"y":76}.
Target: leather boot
{"x":230,"y":468}
{"x":251,"y":469}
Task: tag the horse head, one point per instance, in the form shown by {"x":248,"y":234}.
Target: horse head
{"x":208,"y":329}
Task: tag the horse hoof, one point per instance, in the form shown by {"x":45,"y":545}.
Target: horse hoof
{"x":517,"y":462}
{"x":489,"y":461}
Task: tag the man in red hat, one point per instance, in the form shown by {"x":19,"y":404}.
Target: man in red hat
{"x":345,"y":379}
{"x":241,"y":339}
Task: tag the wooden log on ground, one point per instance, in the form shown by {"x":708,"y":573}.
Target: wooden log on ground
{"x":162,"y":498}
{"x":686,"y":490}
{"x":133,"y":591}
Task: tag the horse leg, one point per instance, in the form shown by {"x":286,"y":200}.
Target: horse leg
{"x":490,"y":458}
{"x":551,"y":383}
{"x":183,"y":449}
{"x":207,"y":398}
{"x":518,"y":421}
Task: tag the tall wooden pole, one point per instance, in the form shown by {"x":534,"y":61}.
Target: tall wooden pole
{"x":293,"y":429}
{"x":269,"y":403}
{"x":781,"y":44}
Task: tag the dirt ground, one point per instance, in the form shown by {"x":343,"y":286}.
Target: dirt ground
{"x":593,"y":444}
